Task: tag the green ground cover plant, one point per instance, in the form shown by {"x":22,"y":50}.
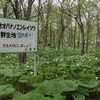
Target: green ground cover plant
{"x":62,"y":75}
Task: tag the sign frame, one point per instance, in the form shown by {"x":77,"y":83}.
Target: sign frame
{"x":37,"y":29}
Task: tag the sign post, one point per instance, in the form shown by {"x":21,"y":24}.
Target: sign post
{"x":35,"y":64}
{"x":19,"y":36}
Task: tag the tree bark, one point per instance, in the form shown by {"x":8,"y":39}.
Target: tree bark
{"x":5,"y":11}
{"x":81,"y":26}
{"x":47,"y":23}
{"x":51,"y":36}
{"x":62,"y":27}
{"x":88,"y":32}
{"x":98,"y":33}
{"x":18,"y":14}
{"x":61,"y":32}
{"x":74,"y":37}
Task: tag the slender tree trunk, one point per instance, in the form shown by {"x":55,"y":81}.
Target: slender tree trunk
{"x":82,"y":40}
{"x":47,"y":22}
{"x":71,"y":35}
{"x":61,"y":33}
{"x":87,"y":41}
{"x":81,"y":26}
{"x":62,"y":40}
{"x":88,"y":33}
{"x":62,"y":28}
{"x":38,"y":18}
{"x":98,"y":33}
{"x":51,"y":33}
{"x":74,"y":37}
{"x":5,"y":11}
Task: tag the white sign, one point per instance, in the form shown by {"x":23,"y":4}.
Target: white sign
{"x":18,"y":35}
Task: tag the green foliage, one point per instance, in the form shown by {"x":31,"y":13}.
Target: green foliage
{"x":88,"y":83}
{"x":61,"y":76}
{"x":28,"y":96}
{"x":6,"y":89}
{"x":35,"y":96}
{"x":4,"y":3}
{"x":56,"y":87}
{"x":78,"y":96}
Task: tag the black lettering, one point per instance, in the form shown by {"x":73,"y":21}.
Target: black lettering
{"x":0,"y":25}
{"x":10,"y":26}
{"x":8,"y":35}
{"x":32,"y":28}
{"x":19,"y":27}
{"x":3,"y":34}
{"x":13,"y":35}
{"x":26,"y":28}
{"x":4,"y":26}
{"x":14,"y":26}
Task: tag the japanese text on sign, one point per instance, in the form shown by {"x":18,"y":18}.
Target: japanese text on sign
{"x":18,"y":35}
{"x":15,"y":35}
{"x":17,"y":26}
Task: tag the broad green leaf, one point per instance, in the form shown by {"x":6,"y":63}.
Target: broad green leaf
{"x":29,"y":96}
{"x":59,"y":97}
{"x":43,"y":89}
{"x":9,"y":72}
{"x":19,"y":96}
{"x":56,"y":87}
{"x":35,"y":96}
{"x":46,"y":87}
{"x":83,"y":90}
{"x":6,"y":89}
{"x":13,"y":74}
{"x":78,"y":96}
{"x":68,"y":85}
{"x":87,"y":82}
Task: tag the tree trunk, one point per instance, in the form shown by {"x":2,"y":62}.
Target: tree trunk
{"x":51,"y":35}
{"x":46,"y":24}
{"x":88,"y":33}
{"x":18,"y":14}
{"x":87,"y":40}
{"x":5,"y":11}
{"x":98,"y":33}
{"x":81,"y":26}
{"x":74,"y":37}
{"x":83,"y":41}
{"x":62,"y":27}
{"x":61,"y":32}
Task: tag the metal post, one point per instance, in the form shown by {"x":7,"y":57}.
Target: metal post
{"x":35,"y":64}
